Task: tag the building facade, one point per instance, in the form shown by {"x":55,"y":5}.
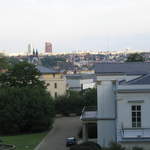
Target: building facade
{"x":48,"y":47}
{"x":78,"y":82}
{"x":123,"y":92}
{"x":56,"y":81}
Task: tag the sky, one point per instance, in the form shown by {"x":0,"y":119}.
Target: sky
{"x":72,"y":25}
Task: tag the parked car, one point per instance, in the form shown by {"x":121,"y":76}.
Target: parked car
{"x":71,"y":141}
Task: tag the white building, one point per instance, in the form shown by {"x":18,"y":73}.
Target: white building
{"x":78,"y":82}
{"x":123,"y":105}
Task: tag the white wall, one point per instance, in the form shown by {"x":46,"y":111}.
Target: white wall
{"x":125,"y":101}
{"x":73,"y":83}
{"x":106,"y":124}
{"x":77,"y":83}
{"x":89,"y":85}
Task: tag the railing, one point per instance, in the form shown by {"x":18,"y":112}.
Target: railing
{"x":88,"y":113}
{"x":135,"y":133}
{"x":90,"y":108}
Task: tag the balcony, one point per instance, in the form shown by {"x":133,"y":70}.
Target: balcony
{"x":89,"y":113}
{"x":135,"y":134}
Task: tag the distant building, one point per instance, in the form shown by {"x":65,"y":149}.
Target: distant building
{"x":30,"y":49}
{"x":48,"y":47}
{"x":34,"y":58}
{"x":78,"y":82}
{"x":56,"y":81}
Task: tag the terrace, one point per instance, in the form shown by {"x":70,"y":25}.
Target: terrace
{"x":135,"y":134}
{"x":88,"y":116}
{"x":89,"y":113}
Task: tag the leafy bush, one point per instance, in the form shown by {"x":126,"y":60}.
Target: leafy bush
{"x":86,"y":146}
{"x":135,"y":57}
{"x":70,"y":103}
{"x":93,"y":145}
{"x":25,"y":110}
{"x":90,"y":97}
{"x":73,"y":102}
{"x":78,"y":147}
{"x":116,"y":146}
{"x":137,"y":148}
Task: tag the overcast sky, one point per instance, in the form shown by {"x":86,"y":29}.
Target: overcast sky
{"x":75,"y":24}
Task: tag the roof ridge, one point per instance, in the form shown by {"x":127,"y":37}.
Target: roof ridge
{"x":123,"y":62}
{"x":138,"y":79}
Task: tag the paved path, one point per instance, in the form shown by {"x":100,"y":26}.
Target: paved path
{"x":63,"y":128}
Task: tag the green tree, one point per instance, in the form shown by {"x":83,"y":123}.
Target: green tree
{"x":3,"y":62}
{"x":13,"y":60}
{"x":25,"y":105}
{"x":20,"y":75}
{"x":24,"y":110}
{"x":136,"y":57}
{"x":90,"y":97}
{"x":73,"y":101}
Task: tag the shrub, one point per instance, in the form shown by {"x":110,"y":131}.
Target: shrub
{"x":137,"y":148}
{"x":78,"y":147}
{"x":25,"y":110}
{"x":90,"y":97}
{"x":86,"y":146}
{"x":70,"y":103}
{"x":73,"y":101}
{"x":116,"y":146}
{"x":93,"y":145}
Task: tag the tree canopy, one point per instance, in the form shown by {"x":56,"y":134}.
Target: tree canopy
{"x":24,"y":110}
{"x":3,"y":62}
{"x":135,"y":57}
{"x":73,"y":101}
{"x":21,"y":74}
{"x":25,"y":105}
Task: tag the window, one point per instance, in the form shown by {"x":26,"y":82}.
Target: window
{"x":81,"y":86}
{"x":55,"y":94}
{"x":55,"y":85}
{"x":136,"y":116}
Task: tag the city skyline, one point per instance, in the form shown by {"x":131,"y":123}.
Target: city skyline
{"x":75,"y":25}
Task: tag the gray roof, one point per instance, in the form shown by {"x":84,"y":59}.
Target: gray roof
{"x":81,"y":76}
{"x":130,"y":68}
{"x":138,"y":81}
{"x":45,"y":70}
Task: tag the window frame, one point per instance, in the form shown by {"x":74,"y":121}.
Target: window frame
{"x":55,"y":85}
{"x":136,"y":115}
{"x":56,"y":94}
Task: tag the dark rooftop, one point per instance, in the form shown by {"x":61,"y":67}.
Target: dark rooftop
{"x":45,"y":70}
{"x":130,"y":68}
{"x":81,"y":76}
{"x":138,"y":81}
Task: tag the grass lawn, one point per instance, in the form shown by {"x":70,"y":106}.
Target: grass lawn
{"x":24,"y":142}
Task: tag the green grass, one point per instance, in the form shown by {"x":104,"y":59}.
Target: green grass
{"x":24,"y":142}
